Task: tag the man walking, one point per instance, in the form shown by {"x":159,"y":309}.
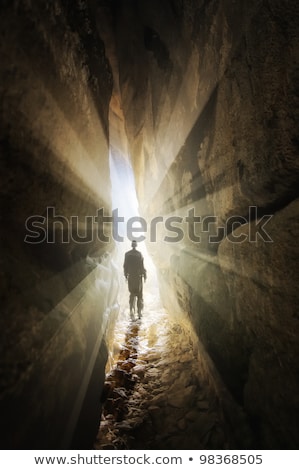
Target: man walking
{"x":135,"y":272}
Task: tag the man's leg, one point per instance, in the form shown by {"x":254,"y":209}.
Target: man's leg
{"x":140,"y":299}
{"x":131,"y":299}
{"x":139,"y":306}
{"x":132,"y":303}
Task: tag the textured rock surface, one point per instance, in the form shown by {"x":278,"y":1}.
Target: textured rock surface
{"x":205,"y":103}
{"x":212,"y":122}
{"x":55,"y":87}
{"x":164,"y":401}
{"x":262,"y":278}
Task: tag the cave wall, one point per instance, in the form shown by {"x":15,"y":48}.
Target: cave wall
{"x":205,"y":101}
{"x":57,"y":297}
{"x":210,"y":98}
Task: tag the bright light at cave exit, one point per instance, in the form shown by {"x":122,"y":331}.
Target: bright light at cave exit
{"x":124,"y":199}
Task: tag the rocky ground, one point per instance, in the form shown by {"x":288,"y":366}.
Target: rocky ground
{"x":154,"y":396}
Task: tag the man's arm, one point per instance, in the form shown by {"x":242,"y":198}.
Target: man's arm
{"x":143,"y":270}
{"x":126,"y":266}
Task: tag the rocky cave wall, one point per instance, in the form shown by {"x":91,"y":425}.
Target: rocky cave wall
{"x":207,"y":94}
{"x":57,"y":297}
{"x":210,"y":98}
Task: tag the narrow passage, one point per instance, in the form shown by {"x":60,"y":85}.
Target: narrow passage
{"x":154,"y":396}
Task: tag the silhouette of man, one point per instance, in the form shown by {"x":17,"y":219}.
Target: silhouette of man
{"x":135,"y":272}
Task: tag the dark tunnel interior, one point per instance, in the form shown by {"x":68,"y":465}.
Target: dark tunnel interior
{"x":175,"y":123}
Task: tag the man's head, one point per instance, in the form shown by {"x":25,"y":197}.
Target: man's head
{"x":134,"y":244}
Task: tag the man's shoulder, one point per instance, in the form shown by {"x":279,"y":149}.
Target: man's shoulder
{"x":134,"y":253}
